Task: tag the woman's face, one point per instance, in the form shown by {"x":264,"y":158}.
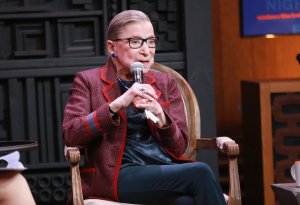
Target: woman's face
{"x":127,"y":55}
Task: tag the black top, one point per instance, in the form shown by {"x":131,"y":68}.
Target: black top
{"x":140,"y":148}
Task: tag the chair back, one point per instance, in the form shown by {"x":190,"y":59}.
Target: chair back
{"x":192,"y":111}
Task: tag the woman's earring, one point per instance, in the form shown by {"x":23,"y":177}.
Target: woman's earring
{"x":113,"y":54}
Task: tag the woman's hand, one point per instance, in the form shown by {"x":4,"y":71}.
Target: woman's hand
{"x":148,"y":101}
{"x":142,"y":96}
{"x":135,"y":92}
{"x":152,"y":106}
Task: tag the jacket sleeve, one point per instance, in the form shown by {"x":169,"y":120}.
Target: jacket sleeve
{"x":173,"y":137}
{"x":82,"y":124}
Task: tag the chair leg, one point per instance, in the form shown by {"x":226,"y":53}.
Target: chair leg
{"x":76,"y":186}
{"x":74,"y":158}
{"x":234,"y":189}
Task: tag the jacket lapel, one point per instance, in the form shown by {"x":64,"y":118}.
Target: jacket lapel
{"x":108,"y":75}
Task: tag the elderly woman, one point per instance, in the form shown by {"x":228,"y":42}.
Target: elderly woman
{"x":128,"y":157}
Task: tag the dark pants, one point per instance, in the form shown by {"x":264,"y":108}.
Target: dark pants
{"x":181,"y":184}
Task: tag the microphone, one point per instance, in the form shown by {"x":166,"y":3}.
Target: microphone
{"x":137,"y":69}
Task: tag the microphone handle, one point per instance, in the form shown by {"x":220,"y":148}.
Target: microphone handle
{"x":151,"y":116}
{"x":138,"y":77}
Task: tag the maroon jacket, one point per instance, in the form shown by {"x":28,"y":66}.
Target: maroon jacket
{"x":87,"y":123}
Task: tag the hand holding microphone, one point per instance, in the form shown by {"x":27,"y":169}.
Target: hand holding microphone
{"x":137,"y":71}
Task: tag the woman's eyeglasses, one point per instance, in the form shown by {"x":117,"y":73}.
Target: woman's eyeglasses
{"x":138,"y":42}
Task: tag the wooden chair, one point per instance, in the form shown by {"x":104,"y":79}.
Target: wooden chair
{"x":193,"y":121}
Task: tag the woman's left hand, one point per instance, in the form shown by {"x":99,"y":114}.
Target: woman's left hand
{"x":143,"y":102}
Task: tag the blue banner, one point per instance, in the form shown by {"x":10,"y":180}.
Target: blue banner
{"x":261,"y":17}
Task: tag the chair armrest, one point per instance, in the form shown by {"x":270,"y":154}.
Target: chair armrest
{"x":231,"y":149}
{"x":206,"y":143}
{"x":73,"y":156}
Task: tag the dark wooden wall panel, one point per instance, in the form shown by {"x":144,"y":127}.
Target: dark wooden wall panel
{"x":42,"y":45}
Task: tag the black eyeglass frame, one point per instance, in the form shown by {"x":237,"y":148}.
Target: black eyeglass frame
{"x":143,"y":40}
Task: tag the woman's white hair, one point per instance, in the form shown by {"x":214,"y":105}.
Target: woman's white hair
{"x":122,"y":19}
